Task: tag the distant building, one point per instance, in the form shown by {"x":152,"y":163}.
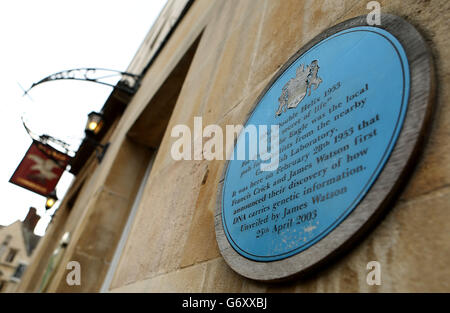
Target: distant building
{"x":17,"y":243}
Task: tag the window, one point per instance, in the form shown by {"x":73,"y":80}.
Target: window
{"x":2,"y":284}
{"x":19,"y":272}
{"x":11,"y":255}
{"x":5,"y":244}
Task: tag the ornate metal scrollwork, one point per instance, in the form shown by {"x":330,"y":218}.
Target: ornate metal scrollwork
{"x":128,"y":82}
{"x":47,"y":138}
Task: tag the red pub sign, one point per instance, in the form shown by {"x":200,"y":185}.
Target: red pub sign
{"x":40,"y":169}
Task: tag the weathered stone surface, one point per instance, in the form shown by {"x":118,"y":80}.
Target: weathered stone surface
{"x":430,"y":18}
{"x":122,"y":168}
{"x":201,"y":242}
{"x":231,"y":78}
{"x":109,"y":215}
{"x":162,"y":223}
{"x":90,"y":267}
{"x":185,"y":280}
{"x":287,"y":26}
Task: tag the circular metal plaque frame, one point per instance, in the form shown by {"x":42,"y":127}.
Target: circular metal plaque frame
{"x":385,"y":188}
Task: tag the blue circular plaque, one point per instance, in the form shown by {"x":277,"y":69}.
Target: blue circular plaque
{"x":339,"y":108}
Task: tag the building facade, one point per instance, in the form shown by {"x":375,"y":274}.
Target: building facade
{"x":141,"y":221}
{"x":18,"y":242}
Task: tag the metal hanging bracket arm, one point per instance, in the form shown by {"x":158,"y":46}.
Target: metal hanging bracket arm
{"x":128,"y":82}
{"x":46,"y":138}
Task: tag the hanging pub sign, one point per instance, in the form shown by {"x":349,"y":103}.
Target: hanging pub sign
{"x":352,"y":108}
{"x":40,"y":169}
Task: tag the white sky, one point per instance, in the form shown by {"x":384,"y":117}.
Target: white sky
{"x":39,"y":38}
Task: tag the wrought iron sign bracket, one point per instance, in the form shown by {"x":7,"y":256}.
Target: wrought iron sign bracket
{"x":46,"y":138}
{"x":128,"y":82}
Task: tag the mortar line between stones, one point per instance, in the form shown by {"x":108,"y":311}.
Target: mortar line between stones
{"x":423,"y":196}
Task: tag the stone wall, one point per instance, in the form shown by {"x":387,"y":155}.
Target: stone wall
{"x":172,"y":246}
